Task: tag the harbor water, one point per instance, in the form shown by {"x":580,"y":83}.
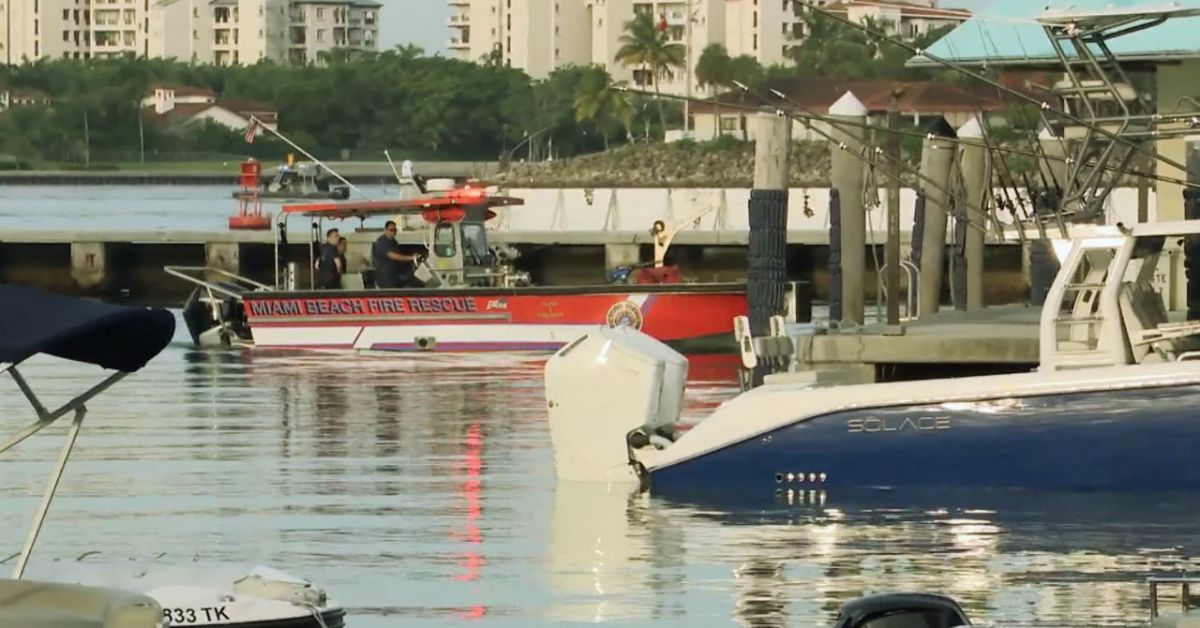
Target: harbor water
{"x":420,"y":490}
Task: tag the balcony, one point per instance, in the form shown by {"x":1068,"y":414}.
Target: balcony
{"x":460,"y":3}
{"x":458,"y":20}
{"x":457,"y":44}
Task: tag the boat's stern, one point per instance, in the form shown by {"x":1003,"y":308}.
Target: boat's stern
{"x":609,"y":393}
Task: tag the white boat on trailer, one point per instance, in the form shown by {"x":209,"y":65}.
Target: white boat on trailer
{"x":122,"y":339}
{"x":1110,"y":408}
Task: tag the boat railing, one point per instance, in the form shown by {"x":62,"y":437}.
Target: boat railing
{"x":1185,"y":589}
{"x":200,"y":276}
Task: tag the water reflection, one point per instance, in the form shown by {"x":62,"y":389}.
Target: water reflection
{"x":421,"y":488}
{"x":1016,"y":559}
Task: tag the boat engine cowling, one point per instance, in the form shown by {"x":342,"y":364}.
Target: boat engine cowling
{"x":608,"y":393}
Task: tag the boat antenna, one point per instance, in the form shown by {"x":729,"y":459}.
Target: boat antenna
{"x":395,"y":172}
{"x":276,"y":133}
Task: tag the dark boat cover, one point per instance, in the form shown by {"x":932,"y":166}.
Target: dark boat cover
{"x":117,"y":337}
{"x":910,"y":610}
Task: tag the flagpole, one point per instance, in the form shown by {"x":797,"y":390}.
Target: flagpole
{"x":320,"y":163}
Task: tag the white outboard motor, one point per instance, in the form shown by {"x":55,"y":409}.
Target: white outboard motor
{"x":611,"y":391}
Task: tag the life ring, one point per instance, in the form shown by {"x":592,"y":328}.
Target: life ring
{"x":624,"y":313}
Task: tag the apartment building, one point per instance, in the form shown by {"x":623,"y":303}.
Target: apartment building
{"x":225,"y":32}
{"x":72,"y":29}
{"x":203,"y":31}
{"x":318,"y":27}
{"x":539,"y":36}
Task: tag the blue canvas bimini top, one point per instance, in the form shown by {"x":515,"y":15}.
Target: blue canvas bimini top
{"x":1006,"y":32}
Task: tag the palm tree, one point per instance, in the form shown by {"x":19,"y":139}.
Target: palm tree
{"x":645,"y":46}
{"x":597,"y":101}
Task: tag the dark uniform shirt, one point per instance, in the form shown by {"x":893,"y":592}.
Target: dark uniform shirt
{"x":328,"y":276}
{"x":389,"y":273}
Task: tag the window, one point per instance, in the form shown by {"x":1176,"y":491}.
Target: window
{"x":320,"y":34}
{"x":729,"y":123}
{"x":66,"y":14}
{"x":443,"y":240}
{"x":320,"y":13}
{"x":66,"y":35}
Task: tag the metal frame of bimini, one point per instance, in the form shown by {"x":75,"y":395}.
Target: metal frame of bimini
{"x":120,"y":339}
{"x":45,"y":418}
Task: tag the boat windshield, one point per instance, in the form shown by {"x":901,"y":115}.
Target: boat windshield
{"x":475,"y":242}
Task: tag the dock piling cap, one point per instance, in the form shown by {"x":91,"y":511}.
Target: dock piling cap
{"x":848,"y":105}
{"x":970,"y":130}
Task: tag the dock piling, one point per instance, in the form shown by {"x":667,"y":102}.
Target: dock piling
{"x":1191,"y":246}
{"x":1043,"y":265}
{"x":88,"y":265}
{"x":223,"y":256}
{"x":847,"y":176}
{"x":937,"y":157}
{"x":975,"y":176}
{"x":767,"y":209}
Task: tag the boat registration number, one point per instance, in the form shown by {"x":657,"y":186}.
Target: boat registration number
{"x":205,"y":614}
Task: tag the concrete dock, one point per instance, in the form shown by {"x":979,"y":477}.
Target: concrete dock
{"x":997,"y":339}
{"x":128,"y":264}
{"x":364,"y":172}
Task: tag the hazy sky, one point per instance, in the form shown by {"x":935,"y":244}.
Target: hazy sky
{"x":423,"y":22}
{"x":420,"y":22}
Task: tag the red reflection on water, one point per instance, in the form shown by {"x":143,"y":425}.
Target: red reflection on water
{"x":717,"y":367}
{"x":471,"y":561}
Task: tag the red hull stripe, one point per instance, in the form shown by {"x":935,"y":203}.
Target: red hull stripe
{"x":473,"y":346}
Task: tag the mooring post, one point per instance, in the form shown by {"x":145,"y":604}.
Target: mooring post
{"x":223,"y":256}
{"x":937,"y":156}
{"x":1191,"y":245}
{"x":846,"y":172}
{"x":768,"y":224}
{"x":1043,"y":265}
{"x":892,"y":252}
{"x":975,"y":176}
{"x":89,"y":267}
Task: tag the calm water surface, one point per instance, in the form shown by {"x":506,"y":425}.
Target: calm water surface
{"x":421,"y":490}
{"x":132,"y":207}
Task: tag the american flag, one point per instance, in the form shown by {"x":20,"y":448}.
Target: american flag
{"x":251,"y":130}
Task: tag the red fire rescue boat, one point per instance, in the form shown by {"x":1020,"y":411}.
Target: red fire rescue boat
{"x":474,"y":299}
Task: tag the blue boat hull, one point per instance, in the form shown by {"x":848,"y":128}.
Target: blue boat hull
{"x":1120,"y":440}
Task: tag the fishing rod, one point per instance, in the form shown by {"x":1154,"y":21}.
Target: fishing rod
{"x":922,"y":135}
{"x":807,"y":119}
{"x":1042,"y":105}
{"x":950,"y":196}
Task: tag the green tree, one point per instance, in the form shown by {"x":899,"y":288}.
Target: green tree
{"x":714,"y":69}
{"x":649,"y":49}
{"x":598,"y":101}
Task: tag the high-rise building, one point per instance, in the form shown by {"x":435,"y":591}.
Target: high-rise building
{"x":203,"y":31}
{"x":539,"y":36}
{"x":71,"y":29}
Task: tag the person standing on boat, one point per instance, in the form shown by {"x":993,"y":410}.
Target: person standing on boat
{"x":393,"y":268}
{"x":332,"y":263}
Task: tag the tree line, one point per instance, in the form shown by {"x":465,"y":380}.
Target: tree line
{"x":416,"y":105}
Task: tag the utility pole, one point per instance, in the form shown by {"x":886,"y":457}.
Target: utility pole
{"x":687,"y":61}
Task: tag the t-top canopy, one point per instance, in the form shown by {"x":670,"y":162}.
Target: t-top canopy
{"x":117,"y":337}
{"x":459,"y":197}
